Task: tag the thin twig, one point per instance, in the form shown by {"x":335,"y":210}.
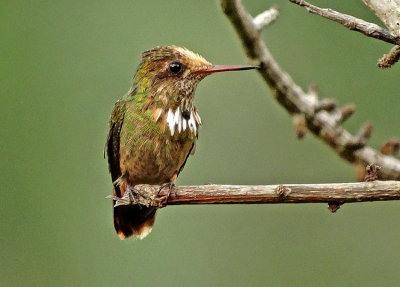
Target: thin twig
{"x":266,"y":18}
{"x":352,"y":23}
{"x":322,"y":123}
{"x":389,"y":59}
{"x":332,"y":193}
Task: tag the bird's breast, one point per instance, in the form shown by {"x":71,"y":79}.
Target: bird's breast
{"x":154,"y":151}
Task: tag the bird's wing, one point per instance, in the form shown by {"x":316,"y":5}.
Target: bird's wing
{"x":112,"y":143}
{"x":191,"y":152}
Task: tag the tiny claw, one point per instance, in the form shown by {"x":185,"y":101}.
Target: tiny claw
{"x":129,"y":194}
{"x":119,"y":200}
{"x":162,"y":195}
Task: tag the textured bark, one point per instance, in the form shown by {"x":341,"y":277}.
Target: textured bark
{"x":332,"y":193}
{"x":389,"y":59}
{"x":388,"y":11}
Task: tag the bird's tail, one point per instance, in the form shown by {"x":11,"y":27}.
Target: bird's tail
{"x":134,"y":220}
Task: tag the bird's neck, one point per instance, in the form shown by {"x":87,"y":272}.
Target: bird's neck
{"x":172,"y":111}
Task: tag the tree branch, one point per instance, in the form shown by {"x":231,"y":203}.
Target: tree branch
{"x":325,"y":124}
{"x":387,"y":10}
{"x":352,"y":23}
{"x":332,"y":193}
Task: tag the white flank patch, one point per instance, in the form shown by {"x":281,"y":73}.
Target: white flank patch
{"x":171,"y":122}
{"x":180,"y":119}
{"x":176,"y":121}
{"x":177,"y":116}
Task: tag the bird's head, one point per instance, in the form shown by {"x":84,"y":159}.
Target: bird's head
{"x":171,"y":74}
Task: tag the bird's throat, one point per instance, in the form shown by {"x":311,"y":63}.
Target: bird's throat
{"x":179,"y":121}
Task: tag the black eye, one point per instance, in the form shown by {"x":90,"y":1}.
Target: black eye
{"x":175,"y":67}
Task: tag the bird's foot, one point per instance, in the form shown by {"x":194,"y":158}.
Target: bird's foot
{"x":129,"y":197}
{"x":140,"y":192}
{"x":131,"y":194}
{"x":134,"y":196}
{"x":163,"y":195}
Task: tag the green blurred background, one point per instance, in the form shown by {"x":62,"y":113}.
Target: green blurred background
{"x":65,"y":63}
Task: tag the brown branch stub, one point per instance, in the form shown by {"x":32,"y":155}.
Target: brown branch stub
{"x":324,"y":124}
{"x":325,"y":105}
{"x":391,"y":147}
{"x":365,"y":132}
{"x":345,"y":112}
{"x":361,"y":138}
{"x":334,"y":206}
{"x":282,"y":191}
{"x":300,"y":125}
{"x":333,"y":193}
{"x":351,"y":22}
{"x":389,"y":59}
{"x":313,"y":91}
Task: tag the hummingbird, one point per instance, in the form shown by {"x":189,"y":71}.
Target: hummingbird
{"x":153,"y":129}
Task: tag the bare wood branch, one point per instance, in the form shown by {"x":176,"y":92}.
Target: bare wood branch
{"x":332,"y":193}
{"x":388,"y":11}
{"x":352,"y":23}
{"x":320,"y":122}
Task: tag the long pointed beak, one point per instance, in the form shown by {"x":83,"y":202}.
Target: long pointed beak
{"x":225,"y":68}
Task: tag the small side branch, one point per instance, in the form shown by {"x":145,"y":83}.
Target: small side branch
{"x":352,"y":23}
{"x":266,"y":18}
{"x":332,"y":193}
{"x":388,"y":60}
